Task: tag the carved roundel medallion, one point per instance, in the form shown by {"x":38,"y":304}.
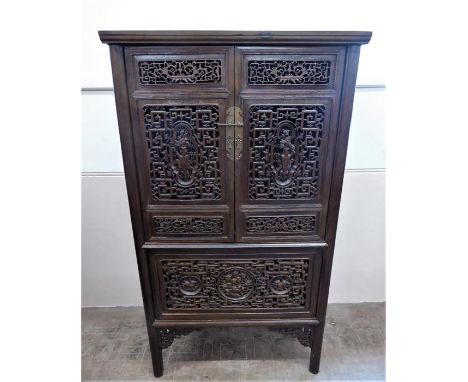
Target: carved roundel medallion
{"x":190,"y":285}
{"x":236,"y":284}
{"x":281,"y":284}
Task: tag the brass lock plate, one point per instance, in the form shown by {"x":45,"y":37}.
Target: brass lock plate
{"x":234,"y":129}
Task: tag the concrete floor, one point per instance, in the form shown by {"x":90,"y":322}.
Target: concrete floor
{"x":115,"y":348}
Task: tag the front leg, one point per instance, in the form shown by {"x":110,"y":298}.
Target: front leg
{"x":156,"y":346}
{"x":316,"y":348}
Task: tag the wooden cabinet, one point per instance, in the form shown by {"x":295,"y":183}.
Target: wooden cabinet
{"x":234,"y":146}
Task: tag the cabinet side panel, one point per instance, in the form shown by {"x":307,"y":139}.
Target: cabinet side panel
{"x":126,"y":139}
{"x":128,"y":154}
{"x":346,"y":107}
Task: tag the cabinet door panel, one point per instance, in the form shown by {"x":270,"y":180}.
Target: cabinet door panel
{"x":185,"y":177}
{"x":289,"y":106}
{"x":183,"y":168}
{"x":285,"y":168}
{"x":286,"y":149}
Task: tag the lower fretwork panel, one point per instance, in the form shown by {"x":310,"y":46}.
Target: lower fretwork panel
{"x":253,"y":283}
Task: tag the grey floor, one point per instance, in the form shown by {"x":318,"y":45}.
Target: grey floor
{"x":115,"y":348}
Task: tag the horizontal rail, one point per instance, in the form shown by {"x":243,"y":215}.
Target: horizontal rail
{"x":234,"y":323}
{"x":110,"y":88}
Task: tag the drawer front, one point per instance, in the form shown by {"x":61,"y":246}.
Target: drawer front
{"x":178,"y":68}
{"x":217,"y":285}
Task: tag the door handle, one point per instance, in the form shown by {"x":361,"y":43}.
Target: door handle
{"x":234,"y":130}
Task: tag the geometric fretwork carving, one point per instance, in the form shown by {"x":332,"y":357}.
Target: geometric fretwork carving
{"x":183,"y":144}
{"x":282,"y":72}
{"x":188,"y":225}
{"x":235,"y":284}
{"x":304,"y":335}
{"x":179,"y":72}
{"x":285,"y":151}
{"x":168,"y":335}
{"x":281,"y":224}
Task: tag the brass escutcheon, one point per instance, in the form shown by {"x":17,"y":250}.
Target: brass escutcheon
{"x":234,"y":126}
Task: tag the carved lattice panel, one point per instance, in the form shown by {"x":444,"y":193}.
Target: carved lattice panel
{"x":281,"y":224}
{"x":285,"y":151}
{"x":218,"y":284}
{"x":183,"y":144}
{"x":186,"y":71}
{"x":188,"y":225}
{"x":288,"y":72}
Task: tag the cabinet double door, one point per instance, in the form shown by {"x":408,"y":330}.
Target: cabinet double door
{"x":234,"y":144}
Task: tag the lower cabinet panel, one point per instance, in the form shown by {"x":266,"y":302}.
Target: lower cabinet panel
{"x":236,"y":285}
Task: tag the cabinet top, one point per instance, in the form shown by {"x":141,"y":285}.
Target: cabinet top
{"x":233,"y":37}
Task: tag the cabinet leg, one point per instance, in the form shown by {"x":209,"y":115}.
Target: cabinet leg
{"x":316,"y":348}
{"x":156,"y":351}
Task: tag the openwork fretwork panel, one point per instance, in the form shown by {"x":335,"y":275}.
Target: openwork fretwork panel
{"x":281,"y":224}
{"x":190,"y":225}
{"x":288,"y":72}
{"x":285,"y":151}
{"x":183,"y":143}
{"x":179,"y":72}
{"x":218,"y":284}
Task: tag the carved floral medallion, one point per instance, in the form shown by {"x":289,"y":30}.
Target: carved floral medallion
{"x":190,"y":285}
{"x":236,"y":284}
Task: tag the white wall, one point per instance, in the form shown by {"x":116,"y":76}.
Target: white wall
{"x":109,"y":271}
{"x":212,"y":15}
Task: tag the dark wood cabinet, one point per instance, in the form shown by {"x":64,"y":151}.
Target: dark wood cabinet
{"x":234,"y":148}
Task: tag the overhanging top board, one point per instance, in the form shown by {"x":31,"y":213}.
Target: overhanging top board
{"x":233,"y":37}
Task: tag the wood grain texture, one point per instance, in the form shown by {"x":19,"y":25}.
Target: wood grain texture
{"x":244,"y":239}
